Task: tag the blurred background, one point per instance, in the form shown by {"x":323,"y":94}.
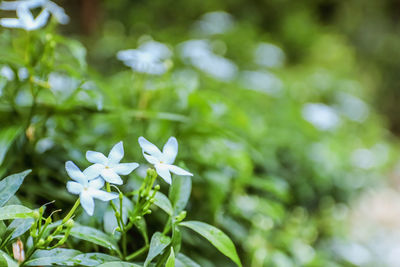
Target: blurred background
{"x":286,"y":112}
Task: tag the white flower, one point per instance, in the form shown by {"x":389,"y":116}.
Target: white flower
{"x":321,"y":116}
{"x":199,"y":54}
{"x":57,"y":11}
{"x":25,"y":20}
{"x":87,"y":190}
{"x":163,"y":161}
{"x":148,"y":58}
{"x":109,"y":167}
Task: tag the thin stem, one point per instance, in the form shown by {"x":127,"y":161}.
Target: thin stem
{"x":72,"y":211}
{"x":137,"y":253}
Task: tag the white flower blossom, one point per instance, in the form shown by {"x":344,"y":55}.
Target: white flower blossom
{"x":199,"y":54}
{"x":163,"y":161}
{"x":148,"y":58}
{"x":57,"y":11}
{"x":26,"y":20}
{"x":85,"y":188}
{"x":109,"y":167}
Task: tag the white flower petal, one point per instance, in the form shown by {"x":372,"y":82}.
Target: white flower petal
{"x":96,"y":183}
{"x":96,"y":157}
{"x":125,"y":168}
{"x":75,"y":173}
{"x":170,"y":150}
{"x":11,"y":23}
{"x":111,"y":177}
{"x":74,"y":188}
{"x":151,"y":159}
{"x":149,"y":148}
{"x":25,"y":15}
{"x":102,"y":195}
{"x":179,"y":171}
{"x":93,"y":171}
{"x":40,"y":20}
{"x":116,"y":153}
{"x":87,"y":202}
{"x":163,"y":171}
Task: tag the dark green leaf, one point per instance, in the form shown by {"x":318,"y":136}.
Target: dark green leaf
{"x":15,"y":212}
{"x":57,"y":256}
{"x":10,"y":185}
{"x":9,"y":260}
{"x":163,"y":202}
{"x":118,"y":264}
{"x":179,"y":192}
{"x":182,"y":260}
{"x":68,"y":257}
{"x":7,"y":137}
{"x":218,"y":238}
{"x":19,"y":226}
{"x":95,"y":236}
{"x":3,"y":261}
{"x":157,"y":244}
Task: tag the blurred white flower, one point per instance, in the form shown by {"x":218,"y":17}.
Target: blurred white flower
{"x":216,"y":22}
{"x":109,"y":167}
{"x":264,"y":82}
{"x":163,"y":161}
{"x":352,"y":107}
{"x":321,"y":116}
{"x":25,"y":20}
{"x":199,"y":54}
{"x":149,"y":58}
{"x":62,"y":85}
{"x":23,"y":74}
{"x":269,"y":55}
{"x":87,"y":190}
{"x":7,"y":73}
{"x":57,"y":11}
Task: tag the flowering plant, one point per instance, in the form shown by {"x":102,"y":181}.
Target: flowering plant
{"x":47,"y":237}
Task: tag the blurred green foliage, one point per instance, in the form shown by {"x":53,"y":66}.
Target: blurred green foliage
{"x":267,"y":172}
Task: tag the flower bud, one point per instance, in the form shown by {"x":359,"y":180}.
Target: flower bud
{"x":41,"y":242}
{"x":36,"y":214}
{"x":118,"y":229}
{"x":181,"y":216}
{"x":49,"y":239}
{"x":157,"y":187}
{"x":70,"y":223}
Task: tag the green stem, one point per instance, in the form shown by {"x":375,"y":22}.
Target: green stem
{"x":124,"y":251}
{"x":137,"y":253}
{"x":72,"y":211}
{"x":167,"y":227}
{"x":119,"y":220}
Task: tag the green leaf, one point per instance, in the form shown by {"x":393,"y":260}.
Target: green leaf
{"x":179,"y":192}
{"x":57,"y":256}
{"x":19,"y":226}
{"x":176,"y":239}
{"x":157,"y":244}
{"x":182,"y":260}
{"x":171,"y":259}
{"x":10,"y":185}
{"x":3,"y":261}
{"x":95,"y":236}
{"x":7,"y":137}
{"x":218,"y":238}
{"x":9,"y":260}
{"x":163,"y":203}
{"x":69,"y":257}
{"x":118,"y":264}
{"x":15,"y":212}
